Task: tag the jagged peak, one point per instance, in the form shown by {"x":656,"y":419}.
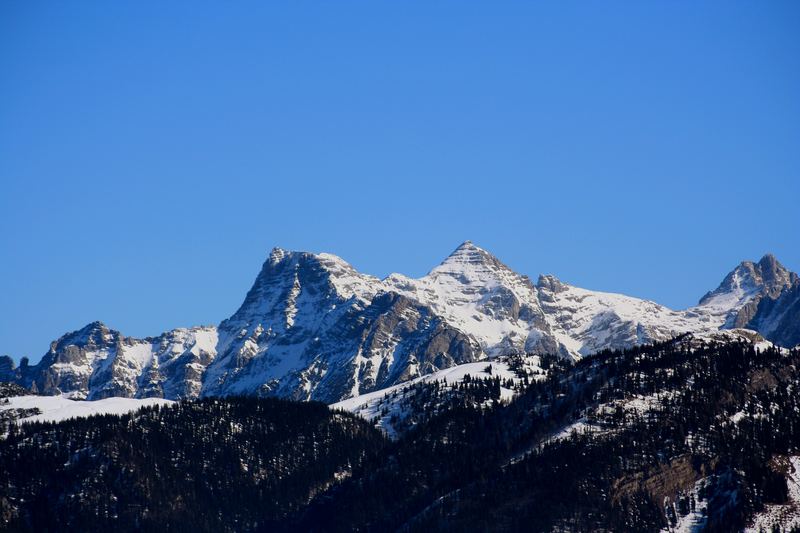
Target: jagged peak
{"x":769,"y":260}
{"x":767,"y":265}
{"x":767,"y":276}
{"x":771,"y":268}
{"x":92,"y":333}
{"x":551,"y":283}
{"x":277,"y":254}
{"x":286,"y":272}
{"x":92,"y":327}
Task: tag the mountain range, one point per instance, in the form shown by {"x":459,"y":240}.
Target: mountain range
{"x":313,"y":328}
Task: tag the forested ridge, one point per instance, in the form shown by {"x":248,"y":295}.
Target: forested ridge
{"x":210,"y":465}
{"x":637,"y":440}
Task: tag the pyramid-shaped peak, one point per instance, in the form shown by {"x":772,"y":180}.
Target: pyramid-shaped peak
{"x":467,"y":256}
{"x":467,"y":250}
{"x":472,"y":262}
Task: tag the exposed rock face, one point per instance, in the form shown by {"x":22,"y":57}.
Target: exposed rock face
{"x":97,"y":362}
{"x":69,"y":364}
{"x":7,"y":369}
{"x":479,"y":295}
{"x":762,"y":296}
{"x":740,"y":293}
{"x":313,"y":328}
{"x":586,"y":322}
{"x":778,"y":319}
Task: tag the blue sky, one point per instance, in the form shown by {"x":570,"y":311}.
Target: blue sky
{"x":152,"y":153}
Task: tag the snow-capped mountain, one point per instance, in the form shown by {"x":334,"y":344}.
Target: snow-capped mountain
{"x":313,"y":328}
{"x":477,"y":294}
{"x":738,"y":296}
{"x":589,"y":321}
{"x":97,"y":362}
{"x":778,"y":318}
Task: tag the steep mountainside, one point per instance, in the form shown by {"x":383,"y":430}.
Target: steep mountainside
{"x":740,"y":293}
{"x":778,"y":318}
{"x":477,"y":294}
{"x":97,"y":362}
{"x":589,"y":321}
{"x":313,"y":328}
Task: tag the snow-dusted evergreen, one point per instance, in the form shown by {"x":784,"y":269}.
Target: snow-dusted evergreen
{"x":313,"y":328}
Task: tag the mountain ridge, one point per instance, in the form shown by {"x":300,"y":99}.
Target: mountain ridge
{"x":312,"y":327}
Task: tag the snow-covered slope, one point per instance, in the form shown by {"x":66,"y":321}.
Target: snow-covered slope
{"x":779,"y":318}
{"x":58,"y":408}
{"x":736,"y":300}
{"x":390,"y":406}
{"x":97,"y":362}
{"x":589,"y":321}
{"x":313,"y":328}
{"x":476,"y":293}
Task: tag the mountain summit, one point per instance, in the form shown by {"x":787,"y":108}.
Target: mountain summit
{"x":481,"y":296}
{"x":313,"y":328}
{"x":745,"y":286}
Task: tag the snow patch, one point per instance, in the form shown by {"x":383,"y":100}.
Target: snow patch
{"x":58,"y":408}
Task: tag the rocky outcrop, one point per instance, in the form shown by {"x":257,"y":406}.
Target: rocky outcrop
{"x":739,"y":294}
{"x":764,"y":297}
{"x":778,"y":319}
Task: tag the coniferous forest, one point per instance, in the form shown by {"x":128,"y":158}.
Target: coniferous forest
{"x":640,"y":440}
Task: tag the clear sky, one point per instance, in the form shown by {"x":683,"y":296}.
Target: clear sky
{"x":152,"y":153}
